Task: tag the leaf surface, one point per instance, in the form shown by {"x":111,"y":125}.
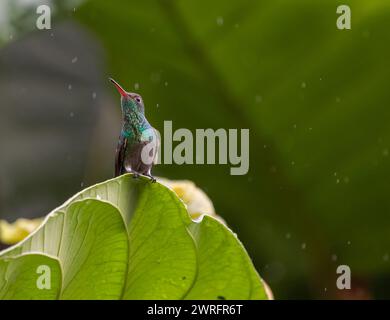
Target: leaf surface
{"x":131,"y":239}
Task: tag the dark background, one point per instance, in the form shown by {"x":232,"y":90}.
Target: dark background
{"x":316,"y":100}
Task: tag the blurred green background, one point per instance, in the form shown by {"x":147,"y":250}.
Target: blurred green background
{"x":315,"y":98}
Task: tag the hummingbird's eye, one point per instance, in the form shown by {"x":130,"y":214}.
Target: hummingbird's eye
{"x":138,"y":99}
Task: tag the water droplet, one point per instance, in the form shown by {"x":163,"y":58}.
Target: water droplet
{"x":69,"y":87}
{"x":334,"y":257}
{"x":259,"y":99}
{"x":155,"y":77}
{"x":74,"y":60}
{"x":157,"y":105}
{"x":386,"y":257}
{"x":338,"y":100}
{"x":303,"y":246}
{"x":220,"y":21}
{"x":136,"y":86}
{"x":385,"y":152}
{"x":71,"y":114}
{"x":166,"y":83}
{"x":93,"y":95}
{"x":303,"y":85}
{"x":288,"y":235}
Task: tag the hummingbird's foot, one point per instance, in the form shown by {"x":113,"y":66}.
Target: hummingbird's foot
{"x":135,"y":175}
{"x":152,"y":179}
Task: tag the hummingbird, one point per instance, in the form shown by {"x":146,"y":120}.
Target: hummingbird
{"x":137,"y":145}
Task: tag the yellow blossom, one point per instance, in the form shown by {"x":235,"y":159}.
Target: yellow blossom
{"x":11,"y":233}
{"x":196,"y":200}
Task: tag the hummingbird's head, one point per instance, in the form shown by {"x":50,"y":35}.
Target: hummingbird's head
{"x":130,"y":102}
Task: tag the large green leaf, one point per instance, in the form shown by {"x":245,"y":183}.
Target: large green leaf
{"x":162,"y":256}
{"x":128,"y":238}
{"x":225,"y":271}
{"x":90,"y":241}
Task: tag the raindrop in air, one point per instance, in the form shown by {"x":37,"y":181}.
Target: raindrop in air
{"x":259,"y":99}
{"x":220,"y":21}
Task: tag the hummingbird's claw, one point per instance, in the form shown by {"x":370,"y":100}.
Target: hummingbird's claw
{"x":152,"y":179}
{"x":135,"y":175}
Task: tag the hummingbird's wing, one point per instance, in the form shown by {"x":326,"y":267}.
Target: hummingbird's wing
{"x":120,"y":156}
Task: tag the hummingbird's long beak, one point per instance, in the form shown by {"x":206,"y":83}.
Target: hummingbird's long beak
{"x":122,"y":92}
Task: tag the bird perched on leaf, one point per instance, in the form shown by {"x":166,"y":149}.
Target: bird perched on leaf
{"x":138,"y":140}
